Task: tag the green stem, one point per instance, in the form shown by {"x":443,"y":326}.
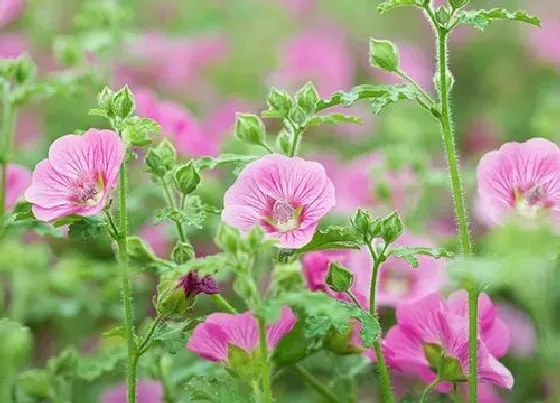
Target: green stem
{"x":429,"y":390}
{"x":384,"y":379}
{"x":126,"y":288}
{"x":155,"y":323}
{"x":315,"y":384}
{"x":458,"y":201}
{"x":267,"y":148}
{"x":112,"y":224}
{"x":295,"y":138}
{"x":171,"y":202}
{"x":7,"y":133}
{"x":7,"y":385}
{"x":223,"y":304}
{"x":267,"y":396}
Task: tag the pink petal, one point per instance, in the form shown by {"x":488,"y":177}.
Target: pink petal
{"x":18,"y":179}
{"x":283,"y":326}
{"x":49,"y":188}
{"x":210,"y":342}
{"x":241,"y":330}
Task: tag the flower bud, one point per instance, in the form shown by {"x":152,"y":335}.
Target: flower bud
{"x":391,"y":227}
{"x":339,"y":278}
{"x":182,"y":252}
{"x":104,"y":99}
{"x":283,"y":142}
{"x":161,"y":158}
{"x":176,"y":295}
{"x":228,"y":239}
{"x":186,"y":178}
{"x":24,"y":69}
{"x":456,"y":4}
{"x":364,"y":223}
{"x":250,"y":128}
{"x":307,"y":98}
{"x":383,"y":55}
{"x":279,"y":101}
{"x":298,"y":116}
{"x":123,"y":102}
{"x":15,"y":345}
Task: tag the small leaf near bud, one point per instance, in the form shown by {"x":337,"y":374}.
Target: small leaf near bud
{"x":161,"y":158}
{"x":339,"y":279}
{"x":283,"y":142}
{"x":186,"y":178}
{"x":16,"y":343}
{"x":250,"y":128}
{"x":391,"y":227}
{"x":298,"y":116}
{"x":104,"y":101}
{"x":383,"y":55}
{"x":182,"y":252}
{"x":456,"y":4}
{"x":307,"y":98}
{"x":139,"y":250}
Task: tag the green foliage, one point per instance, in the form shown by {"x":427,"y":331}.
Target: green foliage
{"x":480,"y":19}
{"x":244,"y":365}
{"x":138,"y":132}
{"x":279,"y":104}
{"x":339,"y":278}
{"x":410,"y":254}
{"x":334,"y":238}
{"x":237,"y":161}
{"x":85,"y":227}
{"x":186,"y":178}
{"x":161,"y":159}
{"x":307,"y":98}
{"x":139,"y":251}
{"x":193,"y":215}
{"x":389,"y":5}
{"x":182,"y":252}
{"x":104,"y":361}
{"x":250,"y":129}
{"x":383,"y":55}
{"x":15,"y":346}
{"x":216,"y":390}
{"x":333,"y":119}
{"x":172,"y":337}
{"x":395,"y":94}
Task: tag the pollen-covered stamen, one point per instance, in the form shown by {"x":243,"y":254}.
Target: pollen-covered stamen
{"x":88,"y":190}
{"x":284,"y":216}
{"x":530,"y":203}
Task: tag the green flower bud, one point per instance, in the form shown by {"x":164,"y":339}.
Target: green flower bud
{"x":36,"y":384}
{"x":228,"y":239}
{"x":341,"y":343}
{"x":391,"y":227}
{"x":298,"y":116}
{"x":123,"y":102}
{"x":443,"y":15}
{"x":16,"y":343}
{"x":171,"y":299}
{"x":279,"y":101}
{"x":383,"y":55}
{"x":104,"y":101}
{"x":182,"y":252}
{"x":161,"y":158}
{"x":307,"y":98}
{"x":364,"y":223}
{"x":339,"y":278}
{"x":24,"y":69}
{"x":139,"y":250}
{"x":456,"y":4}
{"x":68,"y":51}
{"x":186,"y":178}
{"x":250,"y":128}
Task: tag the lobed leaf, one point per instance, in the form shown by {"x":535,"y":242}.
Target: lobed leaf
{"x":334,"y":238}
{"x":334,"y":119}
{"x":480,"y":19}
{"x":389,"y":5}
{"x":409,"y":254}
{"x":214,"y":162}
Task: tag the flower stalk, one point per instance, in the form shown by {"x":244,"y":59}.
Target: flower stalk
{"x":9,"y":117}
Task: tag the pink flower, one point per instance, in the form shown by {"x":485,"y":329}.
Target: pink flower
{"x":147,"y":391}
{"x":320,"y":56}
{"x":18,"y":179}
{"x":523,"y":341}
{"x":544,"y":41}
{"x":481,"y":134}
{"x":10,"y":10}
{"x":297,"y":7}
{"x":155,"y":236}
{"x":285,"y":196}
{"x":367,"y":181}
{"x":176,"y":123}
{"x":434,"y":323}
{"x":12,"y":45}
{"x":521,"y":178}
{"x":212,"y":338}
{"x":413,"y":61}
{"x":78,"y":175}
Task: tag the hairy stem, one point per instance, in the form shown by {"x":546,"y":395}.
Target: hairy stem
{"x":384,"y":379}
{"x":429,"y":390}
{"x":7,"y":133}
{"x":126,"y":288}
{"x":171,"y":202}
{"x":315,"y":384}
{"x":263,"y":345}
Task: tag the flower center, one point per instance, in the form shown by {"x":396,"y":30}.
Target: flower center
{"x":530,"y":204}
{"x":396,"y":284}
{"x":285,"y":217}
{"x":88,"y":190}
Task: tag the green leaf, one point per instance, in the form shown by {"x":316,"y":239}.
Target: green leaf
{"x":394,"y":94}
{"x":86,"y":228}
{"x":172,"y":337}
{"x":21,"y":211}
{"x":383,"y":55}
{"x":216,"y":390}
{"x":65,"y":364}
{"x":233,"y":159}
{"x":139,"y":250}
{"x":480,"y":19}
{"x":106,"y":360}
{"x":370,"y":326}
{"x":389,"y":5}
{"x":36,"y":384}
{"x":117,"y":331}
{"x":409,"y":254}
{"x":364,"y":91}
{"x":334,"y":119}
{"x":219,"y":264}
{"x":334,"y":238}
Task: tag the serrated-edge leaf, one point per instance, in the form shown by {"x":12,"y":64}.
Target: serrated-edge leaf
{"x":410,"y":253}
{"x":480,"y":19}
{"x":334,"y":238}
{"x":214,"y":162}
{"x":364,"y":91}
{"x":389,"y":5}
{"x":334,"y":119}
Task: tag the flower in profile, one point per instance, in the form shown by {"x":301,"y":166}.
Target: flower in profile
{"x":78,"y":175}
{"x":193,"y":284}
{"x":213,"y":339}
{"x":147,"y":391}
{"x":432,"y":333}
{"x":520,"y":179}
{"x":10,"y":10}
{"x":176,"y":123}
{"x":285,"y":196}
{"x":18,"y":179}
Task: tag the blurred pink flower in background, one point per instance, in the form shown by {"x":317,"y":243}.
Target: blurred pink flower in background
{"x":366,"y":181}
{"x":297,"y":7}
{"x":147,"y":391}
{"x":156,"y":237}
{"x":433,"y":321}
{"x":12,"y":45}
{"x":480,"y":135}
{"x":18,"y":179}
{"x":28,"y":128}
{"x":521,"y":178}
{"x":177,"y":123}
{"x":212,"y":338}
{"x":220,"y":123}
{"x":286,"y":196}
{"x":523,"y":341}
{"x":176,"y":64}
{"x":544,"y":43}
{"x":10,"y":10}
{"x":78,"y":175}
{"x":320,"y":56}
{"x":414,"y":62}
{"x":398,"y":282}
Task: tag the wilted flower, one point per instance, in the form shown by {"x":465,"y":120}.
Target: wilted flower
{"x":193,"y":284}
{"x":212,"y":339}
{"x":432,"y":330}
{"x":176,"y":123}
{"x":10,"y":10}
{"x":78,"y":175}
{"x":285,"y":196}
{"x":18,"y":179}
{"x":147,"y":391}
{"x":521,"y":179}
